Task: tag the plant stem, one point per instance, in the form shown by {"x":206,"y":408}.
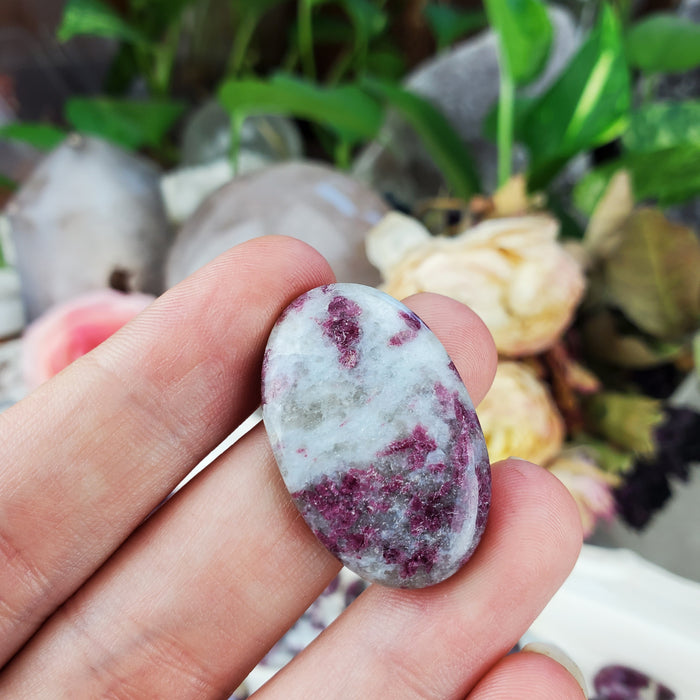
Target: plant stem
{"x":340,"y":68}
{"x":506,"y":108}
{"x":241,"y":42}
{"x":342,"y":155}
{"x":164,"y":59}
{"x":306,"y":43}
{"x":237,"y":119}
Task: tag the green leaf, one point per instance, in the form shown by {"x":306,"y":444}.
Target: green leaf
{"x":332,"y":30}
{"x":652,"y":275}
{"x":626,"y":420}
{"x":347,"y":110}
{"x":587,"y":106}
{"x":129,"y":123}
{"x":661,"y":125}
{"x":608,"y":458}
{"x":523,"y":105}
{"x":525,"y":36}
{"x":442,"y":143}
{"x":667,"y":176}
{"x":386,"y":63}
{"x":450,"y":23}
{"x":96,"y":18}
{"x":369,"y":20}
{"x":41,"y":136}
{"x":664,"y":43}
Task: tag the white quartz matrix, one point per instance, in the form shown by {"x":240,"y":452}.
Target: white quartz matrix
{"x":375,"y":435}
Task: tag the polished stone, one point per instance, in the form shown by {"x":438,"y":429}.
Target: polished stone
{"x":375,"y":435}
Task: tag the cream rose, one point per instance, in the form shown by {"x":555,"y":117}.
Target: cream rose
{"x":519,"y":417}
{"x":511,"y":271}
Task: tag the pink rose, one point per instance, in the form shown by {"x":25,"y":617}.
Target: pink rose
{"x":69,"y":330}
{"x":590,"y":486}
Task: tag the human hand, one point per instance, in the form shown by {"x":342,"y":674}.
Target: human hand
{"x":99,"y":600}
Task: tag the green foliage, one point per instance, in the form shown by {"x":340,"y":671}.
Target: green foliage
{"x":667,"y":176}
{"x":155,"y":17}
{"x":128,"y":123}
{"x":524,"y":39}
{"x":661,"y":125}
{"x":368,"y":19}
{"x":95,"y":18}
{"x":347,"y":110}
{"x":525,"y":36}
{"x":443,"y":144}
{"x":450,"y":23}
{"x":608,"y":458}
{"x":386,"y":62}
{"x":587,"y":106}
{"x":41,"y":136}
{"x":664,"y":43}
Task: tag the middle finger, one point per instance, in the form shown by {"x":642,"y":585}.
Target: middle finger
{"x":205,"y":587}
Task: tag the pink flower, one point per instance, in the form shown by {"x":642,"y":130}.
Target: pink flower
{"x":69,"y":330}
{"x":590,"y":486}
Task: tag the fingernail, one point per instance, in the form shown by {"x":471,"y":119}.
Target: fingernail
{"x":556,"y":654}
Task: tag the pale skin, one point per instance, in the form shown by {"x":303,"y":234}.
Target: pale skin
{"x":99,"y":600}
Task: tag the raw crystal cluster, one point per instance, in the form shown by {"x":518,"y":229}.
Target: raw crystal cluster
{"x":375,"y":435}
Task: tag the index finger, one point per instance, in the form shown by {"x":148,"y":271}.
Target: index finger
{"x":90,"y":454}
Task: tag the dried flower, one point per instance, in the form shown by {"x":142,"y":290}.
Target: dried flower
{"x":519,"y":417}
{"x":511,"y":271}
{"x":647,"y":486}
{"x":590,"y":486}
{"x":70,"y":330}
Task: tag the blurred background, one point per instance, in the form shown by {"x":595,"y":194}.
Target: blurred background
{"x":537,"y":161}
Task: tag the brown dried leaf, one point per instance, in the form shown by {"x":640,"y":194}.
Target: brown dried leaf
{"x":653,"y":274}
{"x":603,"y":232}
{"x":604,"y":341}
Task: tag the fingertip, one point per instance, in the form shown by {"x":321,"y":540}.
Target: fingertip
{"x":465,"y":337}
{"x":529,"y":675}
{"x":540,"y":496}
{"x":558,"y":655}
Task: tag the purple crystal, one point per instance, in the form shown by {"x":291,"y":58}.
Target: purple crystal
{"x":624,"y":683}
{"x":376,"y":436}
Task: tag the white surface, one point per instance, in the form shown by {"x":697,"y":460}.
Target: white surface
{"x":617,"y":608}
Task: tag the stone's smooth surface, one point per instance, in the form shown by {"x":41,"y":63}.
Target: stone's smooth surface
{"x":312,"y":202}
{"x":375,"y":435}
{"x":89,"y":217}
